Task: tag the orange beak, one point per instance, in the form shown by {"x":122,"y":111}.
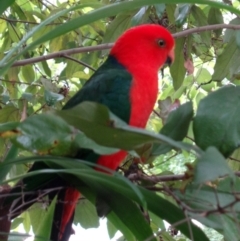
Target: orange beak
{"x":169,"y":60}
{"x":170,"y":57}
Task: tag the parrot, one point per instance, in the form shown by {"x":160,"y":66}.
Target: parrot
{"x":126,"y":83}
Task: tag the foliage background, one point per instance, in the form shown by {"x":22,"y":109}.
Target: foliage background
{"x":49,"y":50}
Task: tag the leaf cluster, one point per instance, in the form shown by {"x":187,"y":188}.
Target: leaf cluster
{"x":198,"y":138}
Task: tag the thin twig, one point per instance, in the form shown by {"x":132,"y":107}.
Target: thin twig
{"x":18,"y":82}
{"x":42,"y":107}
{"x":187,"y":32}
{"x":156,"y":179}
{"x":157,"y":114}
{"x":79,"y":62}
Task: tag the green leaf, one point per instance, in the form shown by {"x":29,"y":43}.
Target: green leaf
{"x":234,"y":165}
{"x":177,"y":69}
{"x":86,"y":215}
{"x":230,"y":230}
{"x":9,"y":113}
{"x":215,"y":17}
{"x":160,"y":9}
{"x":87,"y":143}
{"x":45,"y":134}
{"x":189,"y":48}
{"x":51,"y":98}
{"x":106,"y":129}
{"x":140,"y":16}
{"x":46,"y":68}
{"x":49,"y":85}
{"x":170,"y":10}
{"x":16,"y":222}
{"x":3,"y":26}
{"x":201,"y":20}
{"x":45,"y":225}
{"x":210,"y":166}
{"x":28,"y":73}
{"x":56,"y":44}
{"x":157,"y":221}
{"x":216,"y":113}
{"x":28,"y":96}
{"x":4,"y":169}
{"x":203,"y":76}
{"x":227,"y":62}
{"x":13,"y":33}
{"x":181,"y":13}
{"x":128,"y":213}
{"x":116,"y":221}
{"x":5,"y":4}
{"x":117,"y":27}
{"x":73,"y":67}
{"x":230,"y":33}
{"x":26,"y":222}
{"x":112,"y":230}
{"x":8,"y":126}
{"x":176,"y":127}
{"x":37,"y":212}
{"x":16,"y":8}
{"x":200,"y":49}
{"x":238,"y":38}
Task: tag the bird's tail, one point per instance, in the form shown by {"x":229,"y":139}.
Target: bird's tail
{"x":64,"y":213}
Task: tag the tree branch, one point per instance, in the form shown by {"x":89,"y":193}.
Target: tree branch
{"x":63,"y":53}
{"x":187,"y":32}
{"x":163,"y":178}
{"x":18,"y":21}
{"x":156,"y":179}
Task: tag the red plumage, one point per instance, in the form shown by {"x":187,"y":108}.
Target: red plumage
{"x":142,"y":50}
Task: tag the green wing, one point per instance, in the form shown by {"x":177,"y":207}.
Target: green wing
{"x":110,"y":85}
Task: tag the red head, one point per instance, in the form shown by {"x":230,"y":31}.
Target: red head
{"x":142,"y":50}
{"x":145,"y":47}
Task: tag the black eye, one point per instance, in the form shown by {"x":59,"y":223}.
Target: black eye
{"x":161,"y":42}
